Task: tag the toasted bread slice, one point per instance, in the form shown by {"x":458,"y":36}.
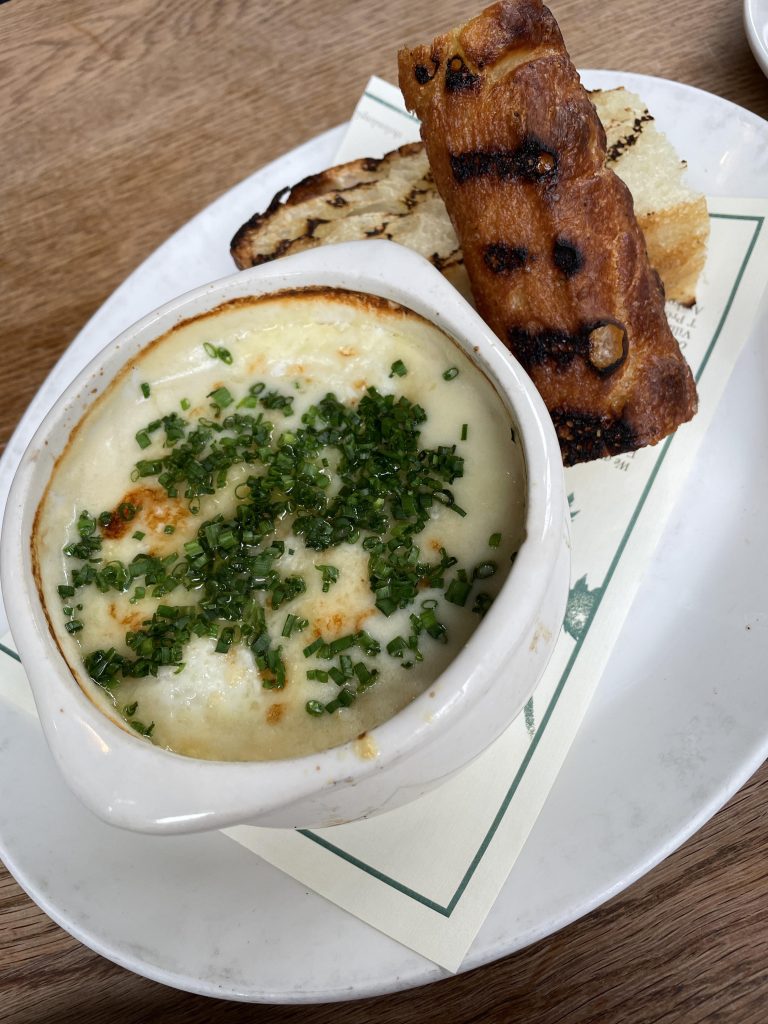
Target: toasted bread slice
{"x":395,"y":197}
{"x":672,"y":217}
{"x":555,"y":256}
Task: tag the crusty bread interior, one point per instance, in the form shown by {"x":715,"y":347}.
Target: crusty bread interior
{"x":673,"y":218}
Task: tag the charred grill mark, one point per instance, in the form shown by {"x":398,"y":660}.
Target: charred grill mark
{"x":458,"y":77}
{"x":533,"y":348}
{"x":255,"y":222}
{"x":443,"y":262}
{"x":474,"y":164}
{"x":586,"y":436}
{"x":422,"y":73}
{"x":536,"y":161}
{"x":265,"y":257}
{"x":414,"y":197}
{"x":624,"y":143}
{"x":567,"y":257}
{"x":532,"y":160}
{"x":602,"y":344}
{"x":377,"y":232}
{"x":501,"y":258}
{"x":285,"y":244}
{"x":337,"y":201}
{"x":313,"y":223}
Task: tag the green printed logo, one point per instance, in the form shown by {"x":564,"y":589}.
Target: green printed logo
{"x":530,"y":723}
{"x":581,"y":604}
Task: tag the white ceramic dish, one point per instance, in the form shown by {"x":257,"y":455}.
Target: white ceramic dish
{"x":653,"y":760}
{"x":756,"y":27}
{"x":116,"y":774}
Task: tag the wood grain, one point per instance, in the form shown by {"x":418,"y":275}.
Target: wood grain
{"x":118,"y":122}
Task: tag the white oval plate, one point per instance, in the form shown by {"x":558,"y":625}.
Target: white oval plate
{"x":651,"y":763}
{"x":756,"y":27}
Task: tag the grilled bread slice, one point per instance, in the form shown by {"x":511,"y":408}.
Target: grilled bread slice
{"x":393,"y":197}
{"x":673,"y":218}
{"x":396,"y":198}
{"x":555,"y":256}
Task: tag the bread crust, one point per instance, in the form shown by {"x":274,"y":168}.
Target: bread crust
{"x":556,"y":259}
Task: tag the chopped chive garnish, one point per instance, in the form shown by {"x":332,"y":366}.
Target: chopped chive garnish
{"x":342,"y":644}
{"x":127,"y":511}
{"x":450,"y":373}
{"x":494,"y":540}
{"x":143,"y":730}
{"x":73,"y":626}
{"x":337,"y":675}
{"x":365,"y":677}
{"x":145,"y":389}
{"x":289,"y":624}
{"x":484,"y":570}
{"x":86,"y":524}
{"x":367,"y":643}
{"x":221,"y":398}
{"x":398,"y":369}
{"x":224,"y":641}
{"x":314,"y":707}
{"x":482,"y":603}
{"x":218,"y":352}
{"x":445,"y":497}
{"x":169,"y":528}
{"x":130,"y":709}
{"x":386,"y":605}
{"x":396,"y":647}
{"x":65,"y":590}
{"x":330,"y":575}
{"x":340,"y":474}
{"x":313,"y":647}
{"x":458,"y":589}
{"x":294,"y":624}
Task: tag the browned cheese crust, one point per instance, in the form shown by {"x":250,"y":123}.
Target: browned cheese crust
{"x":556,"y":260}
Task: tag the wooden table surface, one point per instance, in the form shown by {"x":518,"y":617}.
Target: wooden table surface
{"x":118,"y":122}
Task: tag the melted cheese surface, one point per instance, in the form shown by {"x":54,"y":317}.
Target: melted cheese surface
{"x":305,"y":345}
